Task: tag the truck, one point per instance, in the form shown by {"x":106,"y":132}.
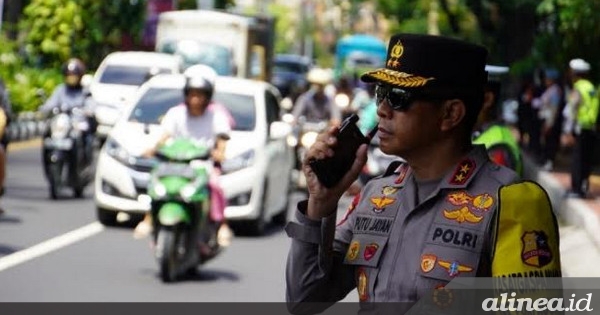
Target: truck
{"x":357,"y":53}
{"x":233,"y":44}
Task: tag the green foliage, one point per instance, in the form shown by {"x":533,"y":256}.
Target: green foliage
{"x":23,"y":81}
{"x":569,"y":30}
{"x":284,"y":28}
{"x":59,"y":29}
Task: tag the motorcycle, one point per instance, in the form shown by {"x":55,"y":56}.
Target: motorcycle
{"x":303,"y":136}
{"x":180,"y":206}
{"x":67,"y":152}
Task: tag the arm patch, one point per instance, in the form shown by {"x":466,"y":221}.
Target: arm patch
{"x":526,"y":240}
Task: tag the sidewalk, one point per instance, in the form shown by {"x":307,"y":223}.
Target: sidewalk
{"x":579,"y":219}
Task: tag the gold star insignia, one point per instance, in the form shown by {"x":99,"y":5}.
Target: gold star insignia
{"x":459,"y":177}
{"x":465,"y":168}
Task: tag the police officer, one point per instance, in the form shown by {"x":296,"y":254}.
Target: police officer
{"x":448,"y":211}
{"x":583,"y":104}
{"x":491,"y":131}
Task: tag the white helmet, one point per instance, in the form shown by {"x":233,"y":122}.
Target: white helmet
{"x":579,"y":65}
{"x":200,"y":77}
{"x":319,"y":76}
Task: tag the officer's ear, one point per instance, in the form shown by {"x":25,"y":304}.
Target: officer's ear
{"x":452,"y":113}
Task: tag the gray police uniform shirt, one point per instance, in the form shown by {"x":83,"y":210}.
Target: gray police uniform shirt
{"x":393,"y":249}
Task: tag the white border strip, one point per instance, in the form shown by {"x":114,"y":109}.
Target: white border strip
{"x":50,"y":245}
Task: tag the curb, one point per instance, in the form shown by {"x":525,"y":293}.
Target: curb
{"x":571,"y":211}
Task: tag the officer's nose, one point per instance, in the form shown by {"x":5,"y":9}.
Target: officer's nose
{"x":383,"y":109}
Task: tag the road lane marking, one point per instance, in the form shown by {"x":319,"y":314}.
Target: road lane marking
{"x":51,"y":245}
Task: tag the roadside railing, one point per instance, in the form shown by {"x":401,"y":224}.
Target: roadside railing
{"x":26,"y":125}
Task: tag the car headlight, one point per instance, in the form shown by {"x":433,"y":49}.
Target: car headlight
{"x":308,"y":139}
{"x":239,"y":162}
{"x":115,"y":150}
{"x":60,"y":125}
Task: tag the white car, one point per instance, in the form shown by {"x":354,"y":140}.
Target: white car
{"x":119,"y":76}
{"x":258,"y":162}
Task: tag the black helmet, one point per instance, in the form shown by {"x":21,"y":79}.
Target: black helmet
{"x":73,"y":66}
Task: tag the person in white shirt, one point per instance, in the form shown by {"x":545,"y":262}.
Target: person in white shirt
{"x":202,"y":119}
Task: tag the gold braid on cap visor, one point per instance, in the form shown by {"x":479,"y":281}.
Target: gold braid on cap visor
{"x":401,"y":79}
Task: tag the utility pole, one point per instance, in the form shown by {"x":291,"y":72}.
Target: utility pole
{"x":1,"y":13}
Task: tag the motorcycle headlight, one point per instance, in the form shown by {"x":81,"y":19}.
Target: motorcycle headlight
{"x":160,"y":190}
{"x":342,"y":100}
{"x":60,"y":125}
{"x":115,"y":150}
{"x":308,"y":139}
{"x":239,"y":162}
{"x":188,"y":191}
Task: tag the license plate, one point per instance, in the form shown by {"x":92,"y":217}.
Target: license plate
{"x":61,"y":144}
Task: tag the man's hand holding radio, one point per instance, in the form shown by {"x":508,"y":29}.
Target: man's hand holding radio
{"x":322,"y":201}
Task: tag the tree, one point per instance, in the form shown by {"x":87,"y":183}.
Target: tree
{"x":59,"y":29}
{"x":569,"y":29}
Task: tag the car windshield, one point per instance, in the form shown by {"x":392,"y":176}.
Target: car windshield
{"x":129,"y":75}
{"x":285,"y":66}
{"x":193,"y":52}
{"x":156,"y":101}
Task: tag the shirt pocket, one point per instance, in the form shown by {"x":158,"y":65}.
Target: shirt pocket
{"x":440,"y":264}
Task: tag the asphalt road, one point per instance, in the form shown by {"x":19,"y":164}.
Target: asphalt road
{"x":56,"y":251}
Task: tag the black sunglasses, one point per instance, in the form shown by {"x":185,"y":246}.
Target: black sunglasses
{"x":399,"y":99}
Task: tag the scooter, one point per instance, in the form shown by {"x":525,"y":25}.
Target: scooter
{"x":179,"y":195}
{"x":67,"y":153}
{"x":305,"y":134}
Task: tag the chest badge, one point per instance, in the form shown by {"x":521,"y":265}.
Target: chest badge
{"x":454,"y":268}
{"x":370,"y":251}
{"x":380,"y":203}
{"x":389,"y":191}
{"x":536,"y":251}
{"x":353,"y":250}
{"x":363,"y":293}
{"x":462,"y":215}
{"x":428,"y":262}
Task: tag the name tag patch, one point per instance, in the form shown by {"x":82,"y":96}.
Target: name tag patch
{"x":460,"y":238}
{"x":380,"y":225}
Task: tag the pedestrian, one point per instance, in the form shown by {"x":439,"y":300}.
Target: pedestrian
{"x":582,"y":106}
{"x":491,"y":131}
{"x":551,"y":102}
{"x":448,"y":211}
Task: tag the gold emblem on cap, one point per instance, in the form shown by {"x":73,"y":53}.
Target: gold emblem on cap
{"x":395,"y":54}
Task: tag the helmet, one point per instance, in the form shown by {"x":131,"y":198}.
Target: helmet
{"x":319,"y":76}
{"x":579,"y":65}
{"x":200,"y":77}
{"x":73,"y":66}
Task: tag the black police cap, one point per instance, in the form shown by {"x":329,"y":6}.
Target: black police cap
{"x":415,"y":61}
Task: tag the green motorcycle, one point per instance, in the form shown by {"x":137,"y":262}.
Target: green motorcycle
{"x":184,"y":235}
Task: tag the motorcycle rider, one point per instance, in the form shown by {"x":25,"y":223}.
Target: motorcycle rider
{"x":201,"y":118}
{"x":72,"y":94}
{"x":315,"y":104}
